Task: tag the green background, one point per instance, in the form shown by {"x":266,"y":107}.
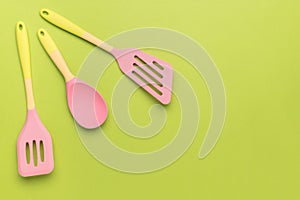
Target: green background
{"x":255,"y":45}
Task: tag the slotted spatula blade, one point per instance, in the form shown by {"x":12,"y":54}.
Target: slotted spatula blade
{"x":34,"y":148}
{"x":151,"y":73}
{"x":34,"y":144}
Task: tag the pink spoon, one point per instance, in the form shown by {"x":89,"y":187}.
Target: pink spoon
{"x":85,"y":103}
{"x":34,"y":145}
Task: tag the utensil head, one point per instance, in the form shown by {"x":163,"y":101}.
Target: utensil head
{"x":151,"y":73}
{"x":34,"y":147}
{"x":86,"y":104}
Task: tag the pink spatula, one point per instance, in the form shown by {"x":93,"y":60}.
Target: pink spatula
{"x":85,"y":103}
{"x":151,"y":73}
{"x":34,"y":145}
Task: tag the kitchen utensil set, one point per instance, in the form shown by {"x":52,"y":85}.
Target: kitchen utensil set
{"x":87,"y":106}
{"x":151,"y":73}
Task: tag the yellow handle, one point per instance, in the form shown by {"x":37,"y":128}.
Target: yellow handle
{"x":61,"y":22}
{"x":23,"y":46}
{"x":24,"y":54}
{"x":47,"y":41}
{"x":69,"y":26}
{"x":54,"y":54}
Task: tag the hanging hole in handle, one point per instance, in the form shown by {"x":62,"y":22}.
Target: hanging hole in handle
{"x":42,"y":33}
{"x":45,"y":12}
{"x":20,"y":27}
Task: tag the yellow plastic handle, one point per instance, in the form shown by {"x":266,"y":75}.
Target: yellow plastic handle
{"x":23,"y":46}
{"x":54,"y":54}
{"x":47,"y":41}
{"x":24,"y":54}
{"x":62,"y":22}
{"x":69,"y":26}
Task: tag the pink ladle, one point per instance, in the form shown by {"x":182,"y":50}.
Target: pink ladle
{"x":85,"y":103}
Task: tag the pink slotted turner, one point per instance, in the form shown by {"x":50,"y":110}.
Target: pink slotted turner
{"x":152,"y":74}
{"x":34,"y":144}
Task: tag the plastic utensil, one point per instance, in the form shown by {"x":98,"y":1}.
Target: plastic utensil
{"x":151,"y":73}
{"x":85,"y":103}
{"x":34,"y":145}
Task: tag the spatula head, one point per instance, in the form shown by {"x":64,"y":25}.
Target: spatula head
{"x":34,"y":148}
{"x":151,"y":73}
{"x":86,"y":104}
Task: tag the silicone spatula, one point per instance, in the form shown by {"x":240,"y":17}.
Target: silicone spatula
{"x":34,"y":144}
{"x":151,"y":73}
{"x":85,"y":103}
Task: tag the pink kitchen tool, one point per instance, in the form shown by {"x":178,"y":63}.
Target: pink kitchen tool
{"x":85,"y":103}
{"x":34,"y":144}
{"x":151,"y":73}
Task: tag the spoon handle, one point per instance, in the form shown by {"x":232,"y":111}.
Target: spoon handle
{"x":54,"y":54}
